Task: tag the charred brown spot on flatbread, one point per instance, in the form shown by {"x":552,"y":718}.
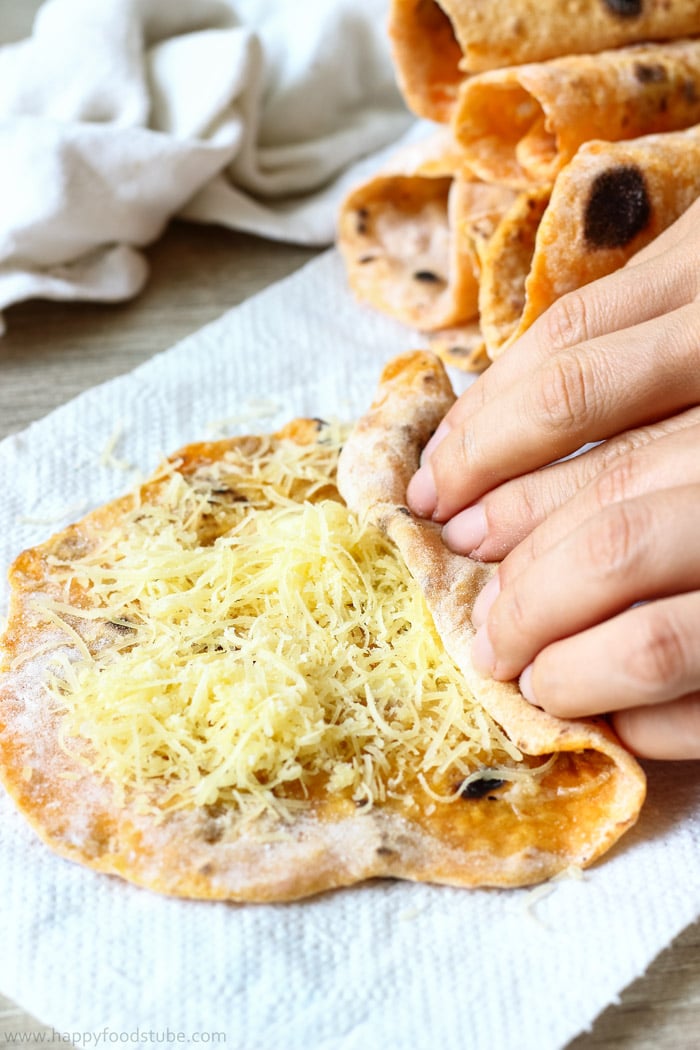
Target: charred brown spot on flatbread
{"x":121,"y":627}
{"x":428,"y":277}
{"x":690,"y":92}
{"x":625,"y":8}
{"x":482,"y":787}
{"x":362,"y":221}
{"x":650,"y":73}
{"x":617,"y":209}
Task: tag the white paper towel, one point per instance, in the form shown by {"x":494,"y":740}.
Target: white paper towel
{"x":387,"y":964}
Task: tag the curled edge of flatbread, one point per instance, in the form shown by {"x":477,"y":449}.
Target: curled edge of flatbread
{"x":400,"y":234}
{"x":412,"y":238}
{"x":375,"y":467}
{"x":521,"y":125}
{"x":461,"y":347}
{"x":608,"y":203}
{"x":437,"y":44}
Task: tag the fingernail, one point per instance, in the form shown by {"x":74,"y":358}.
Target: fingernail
{"x":466,"y":531}
{"x":525,"y":684}
{"x":483,"y":656}
{"x":439,"y":435}
{"x":485,"y":600}
{"x":421,"y":493}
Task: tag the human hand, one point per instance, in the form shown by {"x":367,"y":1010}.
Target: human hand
{"x":585,"y":540}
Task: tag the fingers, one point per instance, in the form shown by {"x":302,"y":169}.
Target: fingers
{"x":667,"y":731}
{"x":643,"y":658}
{"x":528,"y":515}
{"x":620,"y":300}
{"x":635,"y":295}
{"x":635,"y":550}
{"x":573,"y":397}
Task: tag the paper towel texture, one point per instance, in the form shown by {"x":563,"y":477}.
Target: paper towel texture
{"x":386,"y":964}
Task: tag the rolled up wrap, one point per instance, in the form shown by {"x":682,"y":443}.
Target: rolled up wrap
{"x":411,"y":236}
{"x":609,"y":202}
{"x":520,"y":126}
{"x":437,"y":44}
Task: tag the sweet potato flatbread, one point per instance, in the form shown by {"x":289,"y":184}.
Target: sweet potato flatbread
{"x":462,"y":347}
{"x":520,"y":126}
{"x":404,"y":235}
{"x":437,"y":43}
{"x":607,"y":204}
{"x":227,"y":686}
{"x":411,"y":238}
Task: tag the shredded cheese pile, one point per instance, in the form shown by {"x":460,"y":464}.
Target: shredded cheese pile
{"x":259,"y":645}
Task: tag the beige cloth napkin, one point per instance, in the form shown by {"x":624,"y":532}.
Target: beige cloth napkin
{"x":116,"y":116}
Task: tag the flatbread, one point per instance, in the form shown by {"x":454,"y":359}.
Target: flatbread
{"x":520,"y":126}
{"x":237,"y":829}
{"x":609,"y":202}
{"x":411,"y":235}
{"x":437,"y":44}
{"x":461,"y":347}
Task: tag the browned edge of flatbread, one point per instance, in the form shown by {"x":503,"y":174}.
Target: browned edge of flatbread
{"x":521,"y":125}
{"x":607,"y":204}
{"x":400,"y":234}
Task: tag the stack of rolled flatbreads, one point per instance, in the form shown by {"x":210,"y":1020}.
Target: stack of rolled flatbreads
{"x":567,"y":138}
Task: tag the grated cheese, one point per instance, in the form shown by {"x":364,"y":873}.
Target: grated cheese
{"x":250,"y":643}
{"x":107,"y":456}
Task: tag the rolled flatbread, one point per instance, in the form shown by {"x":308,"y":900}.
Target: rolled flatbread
{"x":437,"y":44}
{"x":609,"y":202}
{"x":411,"y":236}
{"x":462,"y":347}
{"x":520,"y":126}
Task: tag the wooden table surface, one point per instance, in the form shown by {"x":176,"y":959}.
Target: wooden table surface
{"x":53,"y":351}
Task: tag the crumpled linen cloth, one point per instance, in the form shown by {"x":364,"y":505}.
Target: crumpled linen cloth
{"x":116,"y":116}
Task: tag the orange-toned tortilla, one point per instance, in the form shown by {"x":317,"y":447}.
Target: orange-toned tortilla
{"x":410,"y":236}
{"x":501,"y":833}
{"x":437,"y":44}
{"x":520,"y":126}
{"x":461,"y":347}
{"x":609,"y":202}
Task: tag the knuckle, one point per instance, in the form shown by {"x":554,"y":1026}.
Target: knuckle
{"x":525,"y":502}
{"x":566,"y":396}
{"x":624,"y":445}
{"x":566,"y":322}
{"x":617,"y":483}
{"x":614,"y":541}
{"x":660,"y":657}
